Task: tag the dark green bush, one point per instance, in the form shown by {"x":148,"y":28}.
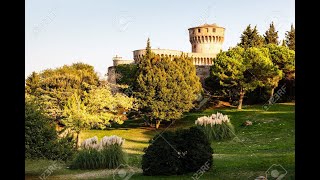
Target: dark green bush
{"x":173,"y":153}
{"x":41,"y":139}
{"x":109,"y":157}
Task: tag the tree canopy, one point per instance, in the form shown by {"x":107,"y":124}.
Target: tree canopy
{"x":53,"y":87}
{"x":251,"y":38}
{"x":166,"y":88}
{"x":271,"y":35}
{"x":243,"y":70}
{"x":290,"y":38}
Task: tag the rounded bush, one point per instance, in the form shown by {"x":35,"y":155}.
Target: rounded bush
{"x":173,"y":153}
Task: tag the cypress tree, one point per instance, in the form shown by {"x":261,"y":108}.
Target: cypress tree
{"x":271,"y":35}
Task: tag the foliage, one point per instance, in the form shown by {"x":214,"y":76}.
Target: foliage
{"x":105,"y":106}
{"x":284,"y":58}
{"x":290,"y":38}
{"x":271,"y":138}
{"x":216,"y":127}
{"x":251,"y":38}
{"x":127,"y":74}
{"x":243,"y":70}
{"x":162,"y":81}
{"x":99,"y":108}
{"x":53,"y":87}
{"x":41,"y":138}
{"x":105,"y":154}
{"x":177,"y":152}
{"x":271,"y":35}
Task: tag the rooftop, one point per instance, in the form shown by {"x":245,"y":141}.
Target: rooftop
{"x":208,"y":25}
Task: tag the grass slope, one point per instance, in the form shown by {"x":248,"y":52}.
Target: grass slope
{"x":270,"y":140}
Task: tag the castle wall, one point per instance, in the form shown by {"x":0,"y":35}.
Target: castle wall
{"x":198,"y":58}
{"x":118,"y":62}
{"x":111,"y":75}
{"x":206,"y":42}
{"x":203,"y":72}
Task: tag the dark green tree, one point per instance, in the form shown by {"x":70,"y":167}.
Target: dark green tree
{"x":290,"y":38}
{"x":166,"y":87}
{"x":271,"y":35}
{"x":251,"y":38}
{"x":127,"y":75}
{"x":243,"y":70}
{"x":246,"y":37}
{"x":256,"y":38}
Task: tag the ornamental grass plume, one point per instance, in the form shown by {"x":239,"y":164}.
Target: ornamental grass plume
{"x":107,"y":153}
{"x":216,"y":127}
{"x":92,"y":143}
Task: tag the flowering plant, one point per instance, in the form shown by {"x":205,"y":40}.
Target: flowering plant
{"x":92,"y":143}
{"x":216,"y":127}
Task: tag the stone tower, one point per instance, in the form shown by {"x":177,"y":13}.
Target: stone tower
{"x":206,"y":39}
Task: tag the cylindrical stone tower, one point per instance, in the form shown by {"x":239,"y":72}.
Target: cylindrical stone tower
{"x":207,"y":38}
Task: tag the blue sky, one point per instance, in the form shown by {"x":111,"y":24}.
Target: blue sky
{"x":63,"y":32}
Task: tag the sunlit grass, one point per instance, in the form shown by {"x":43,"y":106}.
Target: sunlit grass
{"x":270,"y":140}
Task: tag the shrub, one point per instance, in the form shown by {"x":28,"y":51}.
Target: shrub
{"x":41,"y":138}
{"x":216,"y":127}
{"x":173,"y":153}
{"x":107,"y":153}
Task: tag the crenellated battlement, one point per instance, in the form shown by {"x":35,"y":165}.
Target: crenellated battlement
{"x":207,"y":38}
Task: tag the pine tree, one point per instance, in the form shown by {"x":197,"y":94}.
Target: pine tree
{"x":246,"y":37}
{"x":290,"y":38}
{"x":256,"y":38}
{"x":251,"y":38}
{"x":271,"y":35}
{"x":166,"y":88}
{"x":243,"y":70}
{"x":283,"y":43}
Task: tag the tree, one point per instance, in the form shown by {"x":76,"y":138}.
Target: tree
{"x":250,"y":38}
{"x":53,"y":87}
{"x":256,"y":38}
{"x":41,"y":137}
{"x":284,"y":59}
{"x":290,"y":38}
{"x":245,"y":39}
{"x":98,"y":110}
{"x":162,"y":81}
{"x":106,"y":107}
{"x":127,"y":76}
{"x":32,"y":83}
{"x":271,"y":35}
{"x":76,"y":116}
{"x":283,"y":43}
{"x":243,"y":70}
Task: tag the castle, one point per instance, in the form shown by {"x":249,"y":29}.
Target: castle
{"x":206,"y":42}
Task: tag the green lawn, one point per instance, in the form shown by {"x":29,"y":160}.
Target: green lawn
{"x":270,"y":140}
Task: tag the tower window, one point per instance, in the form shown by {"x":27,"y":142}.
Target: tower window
{"x":207,"y":29}
{"x":214,"y":30}
{"x":199,"y":30}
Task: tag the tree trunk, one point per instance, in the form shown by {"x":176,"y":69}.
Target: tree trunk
{"x":157,"y":124}
{"x":271,"y":95}
{"x":241,"y":98}
{"x":77,"y":140}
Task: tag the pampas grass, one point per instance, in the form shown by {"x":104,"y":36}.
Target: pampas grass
{"x":216,"y":127}
{"x":107,"y":153}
